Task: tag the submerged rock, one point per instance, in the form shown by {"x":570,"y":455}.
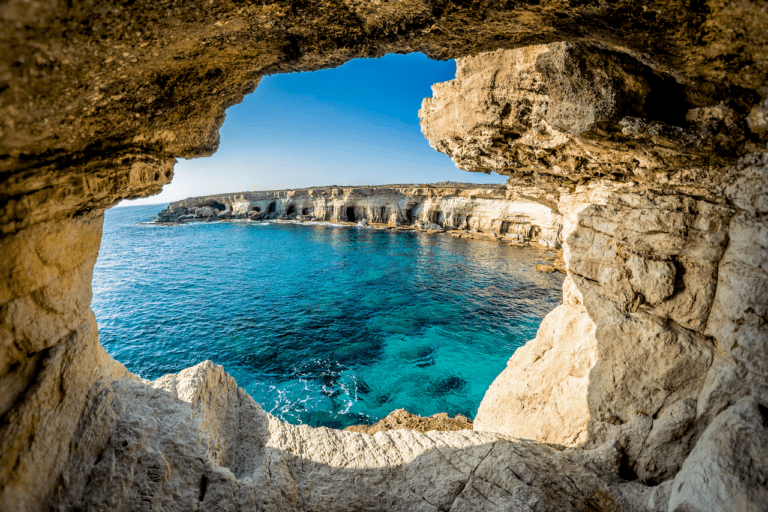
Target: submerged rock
{"x":402,"y":419}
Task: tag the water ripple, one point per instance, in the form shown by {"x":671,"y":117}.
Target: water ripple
{"x":321,"y":324}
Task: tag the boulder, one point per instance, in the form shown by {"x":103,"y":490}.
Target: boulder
{"x":548,"y":243}
{"x":542,"y":393}
{"x":728,"y":468}
{"x":427,"y":226}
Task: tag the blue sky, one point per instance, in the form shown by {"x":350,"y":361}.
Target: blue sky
{"x":357,"y":124}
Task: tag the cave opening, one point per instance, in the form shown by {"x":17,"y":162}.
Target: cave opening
{"x":351,"y":339}
{"x":663,"y":103}
{"x":215,"y":205}
{"x":666,"y":101}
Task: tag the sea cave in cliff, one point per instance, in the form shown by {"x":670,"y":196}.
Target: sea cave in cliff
{"x":633,"y":138}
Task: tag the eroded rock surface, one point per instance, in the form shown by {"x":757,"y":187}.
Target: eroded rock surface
{"x":633,"y":354}
{"x":401,"y":419}
{"x":542,"y":393}
{"x":492,"y":209}
{"x":641,"y":123}
{"x":196,"y":441}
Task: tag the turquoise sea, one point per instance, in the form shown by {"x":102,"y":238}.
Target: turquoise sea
{"x":321,"y":324}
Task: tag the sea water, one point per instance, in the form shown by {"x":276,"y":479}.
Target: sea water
{"x":321,"y":324}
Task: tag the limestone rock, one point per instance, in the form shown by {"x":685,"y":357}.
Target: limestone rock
{"x":205,"y":211}
{"x":723,"y":386}
{"x":668,"y":442}
{"x":727,"y":469}
{"x":402,"y":419}
{"x":541,"y":394}
{"x":195,"y":440}
{"x":490,"y":209}
{"x":638,"y":126}
{"x":740,"y":304}
{"x":658,"y":499}
{"x":655,"y":280}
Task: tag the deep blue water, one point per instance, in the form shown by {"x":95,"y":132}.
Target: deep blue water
{"x":323,"y":325}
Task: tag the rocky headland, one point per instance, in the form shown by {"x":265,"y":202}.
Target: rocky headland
{"x":462,"y":209}
{"x":642,"y":124}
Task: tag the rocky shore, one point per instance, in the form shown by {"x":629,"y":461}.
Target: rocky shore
{"x":463,"y":210}
{"x":643,"y":124}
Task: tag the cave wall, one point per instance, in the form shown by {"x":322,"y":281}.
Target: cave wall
{"x":659,"y":333}
{"x":651,"y":112}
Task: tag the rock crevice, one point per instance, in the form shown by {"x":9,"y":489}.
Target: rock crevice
{"x":641,"y":123}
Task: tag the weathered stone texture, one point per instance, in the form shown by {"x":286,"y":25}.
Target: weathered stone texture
{"x":652,"y":262}
{"x":400,"y":419}
{"x":641,"y":123}
{"x":542,"y":393}
{"x":727,"y":469}
{"x":514,"y":213}
{"x":196,"y":441}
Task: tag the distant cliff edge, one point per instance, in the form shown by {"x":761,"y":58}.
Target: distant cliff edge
{"x":478,"y":209}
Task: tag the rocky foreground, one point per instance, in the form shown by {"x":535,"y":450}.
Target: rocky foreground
{"x":643,"y":124}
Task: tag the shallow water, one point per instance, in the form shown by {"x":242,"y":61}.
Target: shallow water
{"x":323,"y":325}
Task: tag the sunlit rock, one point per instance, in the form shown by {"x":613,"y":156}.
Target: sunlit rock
{"x":641,"y":124}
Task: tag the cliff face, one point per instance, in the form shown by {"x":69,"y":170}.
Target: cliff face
{"x":662,"y":330}
{"x":642,"y":123}
{"x":477,"y":208}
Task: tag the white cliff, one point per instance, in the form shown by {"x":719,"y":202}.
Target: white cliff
{"x":477,"y":208}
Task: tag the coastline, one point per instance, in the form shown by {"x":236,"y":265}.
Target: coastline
{"x":467,"y":211}
{"x":554,"y":255}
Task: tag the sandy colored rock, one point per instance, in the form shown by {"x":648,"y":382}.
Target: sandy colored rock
{"x":726,"y":470}
{"x":542,"y":393}
{"x":668,"y":442}
{"x":494,"y":210}
{"x":640,"y":123}
{"x":740,"y":304}
{"x":401,"y":419}
{"x":655,"y":280}
{"x":234,"y":455}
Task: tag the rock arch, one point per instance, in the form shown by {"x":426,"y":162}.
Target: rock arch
{"x":98,"y":105}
